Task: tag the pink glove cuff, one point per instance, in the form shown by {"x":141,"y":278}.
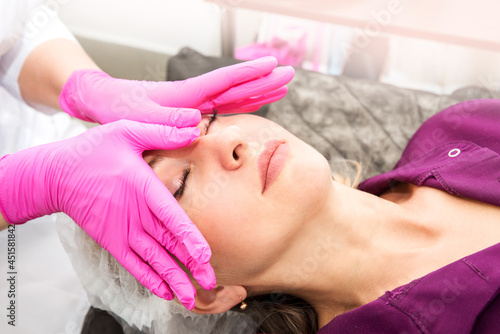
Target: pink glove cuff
{"x":71,"y":96}
{"x":16,"y":204}
{"x":2,"y":193}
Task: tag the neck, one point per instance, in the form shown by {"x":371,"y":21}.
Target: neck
{"x":340,"y":261}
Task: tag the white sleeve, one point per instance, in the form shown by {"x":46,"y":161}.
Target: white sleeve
{"x":41,"y":24}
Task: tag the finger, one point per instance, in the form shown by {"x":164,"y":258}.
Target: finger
{"x":146,"y":275}
{"x":219,"y":80}
{"x":246,"y":110}
{"x":177,"y":117}
{"x":155,"y":136}
{"x":203,"y":273}
{"x":276,"y":79}
{"x":175,"y":220}
{"x":242,"y":110}
{"x":166,"y":267}
{"x":253,"y":103}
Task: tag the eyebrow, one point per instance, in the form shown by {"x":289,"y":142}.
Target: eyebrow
{"x":155,"y":160}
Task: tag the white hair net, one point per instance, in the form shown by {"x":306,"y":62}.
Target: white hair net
{"x":110,"y":287}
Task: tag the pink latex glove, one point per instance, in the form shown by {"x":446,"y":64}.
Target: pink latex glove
{"x":94,"y":96}
{"x":101,"y":180}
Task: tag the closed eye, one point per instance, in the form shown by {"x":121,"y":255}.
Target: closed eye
{"x":178,"y":193}
{"x":187,"y":170}
{"x":212,"y":119}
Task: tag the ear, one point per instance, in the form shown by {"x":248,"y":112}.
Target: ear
{"x":219,"y":299}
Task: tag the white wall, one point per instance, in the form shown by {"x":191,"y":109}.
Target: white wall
{"x":165,"y":26}
{"x":162,"y":26}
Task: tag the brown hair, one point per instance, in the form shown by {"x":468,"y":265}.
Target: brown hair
{"x":281,"y":313}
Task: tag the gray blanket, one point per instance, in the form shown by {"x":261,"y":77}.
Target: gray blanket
{"x":341,"y":117}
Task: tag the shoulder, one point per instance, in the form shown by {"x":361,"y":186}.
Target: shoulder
{"x":457,"y":298}
{"x":476,"y":121}
{"x":472,"y":114}
{"x":487,"y":321}
{"x":470,"y":127}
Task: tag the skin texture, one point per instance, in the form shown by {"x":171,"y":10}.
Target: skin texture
{"x":48,"y":67}
{"x":45,"y":71}
{"x":3,"y":223}
{"x":60,"y":71}
{"x":334,"y":246}
{"x":217,"y":178}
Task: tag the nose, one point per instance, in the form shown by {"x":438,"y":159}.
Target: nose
{"x":231,"y":147}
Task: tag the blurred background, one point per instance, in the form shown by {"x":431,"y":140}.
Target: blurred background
{"x":437,"y":46}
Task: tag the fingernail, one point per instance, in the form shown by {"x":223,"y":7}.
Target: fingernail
{"x":284,"y":70}
{"x":193,"y":116}
{"x":207,"y":280}
{"x":267,"y":59}
{"x":206,"y":255}
{"x":190,"y":135}
{"x":188,"y":303}
{"x":195,"y":134}
{"x":290,"y":69}
{"x":187,"y":117}
{"x":167,"y":295}
{"x":203,"y":254}
{"x":199,"y":249}
{"x":210,"y":285}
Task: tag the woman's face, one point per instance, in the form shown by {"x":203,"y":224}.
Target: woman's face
{"x":248,"y":185}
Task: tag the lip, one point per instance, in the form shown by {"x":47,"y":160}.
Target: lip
{"x":271,"y":162}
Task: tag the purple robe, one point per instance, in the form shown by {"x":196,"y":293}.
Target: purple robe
{"x":458,"y":151}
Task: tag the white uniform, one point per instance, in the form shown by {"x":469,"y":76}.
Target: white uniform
{"x":48,"y":296}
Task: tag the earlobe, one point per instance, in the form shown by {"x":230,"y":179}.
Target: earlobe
{"x":219,"y":299}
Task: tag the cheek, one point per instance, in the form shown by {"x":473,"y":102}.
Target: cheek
{"x":305,"y":184}
{"x":232,"y":221}
{"x":313,"y":184}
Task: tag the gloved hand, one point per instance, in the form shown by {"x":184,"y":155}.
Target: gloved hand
{"x":101,"y":180}
{"x":94,"y":96}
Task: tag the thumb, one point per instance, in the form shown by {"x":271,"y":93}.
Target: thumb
{"x":219,"y":80}
{"x":156,"y":136}
{"x":178,"y":117}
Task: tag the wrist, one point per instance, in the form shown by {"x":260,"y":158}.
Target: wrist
{"x":25,"y":192}
{"x":3,"y":223}
{"x":73,"y":97}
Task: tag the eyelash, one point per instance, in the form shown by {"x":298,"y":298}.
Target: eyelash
{"x":207,"y":125}
{"x":182,"y":187}
{"x":187,"y":169}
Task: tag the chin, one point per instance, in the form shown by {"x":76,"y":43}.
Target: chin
{"x":308,"y":179}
